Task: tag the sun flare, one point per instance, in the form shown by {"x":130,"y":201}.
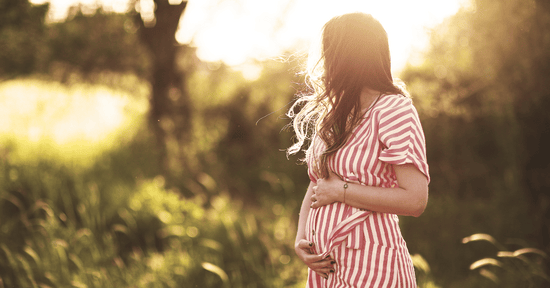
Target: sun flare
{"x":236,"y":31}
{"x":70,"y":121}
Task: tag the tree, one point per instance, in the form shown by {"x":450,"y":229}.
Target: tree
{"x":22,"y":31}
{"x":170,"y":111}
{"x":101,"y":41}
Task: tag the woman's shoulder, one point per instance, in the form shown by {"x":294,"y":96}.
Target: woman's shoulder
{"x":389,"y":102}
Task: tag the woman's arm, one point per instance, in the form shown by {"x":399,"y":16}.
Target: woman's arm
{"x":410,"y":198}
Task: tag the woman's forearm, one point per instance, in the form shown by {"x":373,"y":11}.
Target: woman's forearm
{"x":304,"y":211}
{"x":388,"y":200}
{"x":409,"y":199}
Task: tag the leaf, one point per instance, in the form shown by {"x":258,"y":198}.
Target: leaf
{"x":522,"y":251}
{"x":83,"y":232}
{"x":120,"y":228}
{"x":8,"y":255}
{"x":14,"y":201}
{"x":489,"y":275}
{"x":41,"y":205}
{"x":33,"y":254}
{"x":28,"y":271}
{"x":420,"y":263}
{"x":215,"y":245}
{"x":485,"y":262}
{"x":479,"y":237}
{"x":78,"y":284}
{"x":76,"y":261}
{"x":127,"y":217}
{"x":216,"y":270}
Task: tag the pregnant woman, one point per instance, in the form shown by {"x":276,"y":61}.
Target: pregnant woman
{"x":366,"y":160}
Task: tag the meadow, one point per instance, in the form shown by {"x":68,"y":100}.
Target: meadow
{"x":83,"y":203}
{"x":82,"y":207}
{"x":124,"y":165}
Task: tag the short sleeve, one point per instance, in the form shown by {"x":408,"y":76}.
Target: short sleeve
{"x":401,"y":135}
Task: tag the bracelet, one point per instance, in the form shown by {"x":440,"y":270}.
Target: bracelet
{"x":345,"y":188}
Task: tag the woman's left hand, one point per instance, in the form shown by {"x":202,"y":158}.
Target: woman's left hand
{"x":327,"y":191}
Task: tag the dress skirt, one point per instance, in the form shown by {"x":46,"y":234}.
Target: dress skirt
{"x":367,"y":246}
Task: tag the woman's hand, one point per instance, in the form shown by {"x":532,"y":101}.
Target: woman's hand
{"x":327,"y":191}
{"x":317,"y":263}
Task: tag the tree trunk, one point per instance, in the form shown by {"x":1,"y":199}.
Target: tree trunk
{"x":169,"y":115}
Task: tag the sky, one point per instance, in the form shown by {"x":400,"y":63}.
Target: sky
{"x":236,"y":31}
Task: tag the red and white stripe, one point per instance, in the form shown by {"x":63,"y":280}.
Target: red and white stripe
{"x":367,"y":246}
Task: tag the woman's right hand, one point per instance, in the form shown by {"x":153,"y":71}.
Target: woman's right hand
{"x":321,"y":266}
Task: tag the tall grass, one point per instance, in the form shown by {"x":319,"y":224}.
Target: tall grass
{"x":153,"y":239}
{"x":79,"y":211}
{"x":512,"y":265}
{"x":86,"y":206}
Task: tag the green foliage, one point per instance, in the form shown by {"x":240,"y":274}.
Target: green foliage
{"x":93,"y":43}
{"x":154,"y":238}
{"x":96,"y":213}
{"x":238,"y":133}
{"x":106,"y":220}
{"x":424,"y":278}
{"x":22,"y":35}
{"x":84,"y":45}
{"x":482,"y":94}
{"x":67,"y":122}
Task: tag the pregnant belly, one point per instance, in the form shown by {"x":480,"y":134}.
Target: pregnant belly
{"x":336,"y":220}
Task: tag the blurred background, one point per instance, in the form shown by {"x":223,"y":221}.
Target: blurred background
{"x":142,"y":142}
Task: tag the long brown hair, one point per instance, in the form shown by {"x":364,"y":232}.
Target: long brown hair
{"x":354,"y":54}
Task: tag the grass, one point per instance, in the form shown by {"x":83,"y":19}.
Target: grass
{"x":83,"y":209}
{"x":84,"y":205}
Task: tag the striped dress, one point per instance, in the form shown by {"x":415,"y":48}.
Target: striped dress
{"x":367,"y":246}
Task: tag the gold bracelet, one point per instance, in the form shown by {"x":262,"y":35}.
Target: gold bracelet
{"x":345,"y":187}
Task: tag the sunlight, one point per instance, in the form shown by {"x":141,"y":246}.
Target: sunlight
{"x":89,"y":117}
{"x":76,"y":114}
{"x":75,"y":119}
{"x":59,"y":8}
{"x":250,"y":71}
{"x":147,"y":11}
{"x":235,"y":31}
